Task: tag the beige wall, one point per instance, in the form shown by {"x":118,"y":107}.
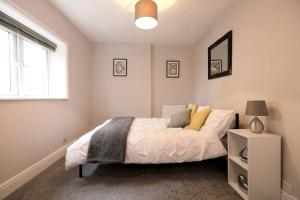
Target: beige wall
{"x":146,"y":88}
{"x":31,"y":130}
{"x":121,"y":96}
{"x":265,"y":52}
{"x":171,"y":90}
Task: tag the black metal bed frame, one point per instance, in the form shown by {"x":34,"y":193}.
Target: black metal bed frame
{"x":237,"y":126}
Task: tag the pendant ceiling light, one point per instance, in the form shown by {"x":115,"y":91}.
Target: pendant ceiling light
{"x":146,"y":14}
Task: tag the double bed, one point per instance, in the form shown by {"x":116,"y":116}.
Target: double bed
{"x":149,"y":141}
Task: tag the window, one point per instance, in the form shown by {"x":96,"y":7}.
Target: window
{"x":24,"y":66}
{"x":35,"y":67}
{"x":31,"y":66}
{"x":7,"y":69}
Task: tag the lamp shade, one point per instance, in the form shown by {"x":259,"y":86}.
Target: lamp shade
{"x":146,"y":14}
{"x":257,"y":108}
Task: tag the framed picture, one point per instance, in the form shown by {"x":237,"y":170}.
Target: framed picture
{"x":119,"y":67}
{"x":172,"y":69}
{"x":215,"y":67}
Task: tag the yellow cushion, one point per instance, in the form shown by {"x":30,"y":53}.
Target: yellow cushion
{"x":193,"y":107}
{"x":198,"y":119}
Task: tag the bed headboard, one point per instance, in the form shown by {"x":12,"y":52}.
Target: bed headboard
{"x":168,"y":110}
{"x":237,"y":121}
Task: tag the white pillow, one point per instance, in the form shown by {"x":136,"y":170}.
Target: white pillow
{"x":201,"y":108}
{"x":220,"y":121}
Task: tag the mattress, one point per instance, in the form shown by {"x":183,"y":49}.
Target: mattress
{"x":151,"y":142}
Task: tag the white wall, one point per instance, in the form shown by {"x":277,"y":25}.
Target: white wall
{"x":171,"y":90}
{"x":265,"y":53}
{"x":31,"y":130}
{"x":121,"y":96}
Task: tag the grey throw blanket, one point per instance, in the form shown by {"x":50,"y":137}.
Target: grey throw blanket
{"x":108,"y":144}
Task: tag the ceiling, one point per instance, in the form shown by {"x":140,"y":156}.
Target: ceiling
{"x":180,"y":21}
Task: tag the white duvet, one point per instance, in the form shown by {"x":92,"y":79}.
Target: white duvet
{"x":150,"y":141}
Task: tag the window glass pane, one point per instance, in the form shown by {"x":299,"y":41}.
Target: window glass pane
{"x":35,"y":69}
{"x":5,"y":74}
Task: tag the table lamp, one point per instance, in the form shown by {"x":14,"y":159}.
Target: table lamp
{"x":256,"y":108}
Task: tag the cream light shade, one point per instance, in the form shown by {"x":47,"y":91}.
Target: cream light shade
{"x":146,"y":14}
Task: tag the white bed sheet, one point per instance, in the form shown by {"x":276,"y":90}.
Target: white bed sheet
{"x":150,"y":141}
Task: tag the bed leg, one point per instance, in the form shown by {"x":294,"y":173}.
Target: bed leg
{"x":80,"y":171}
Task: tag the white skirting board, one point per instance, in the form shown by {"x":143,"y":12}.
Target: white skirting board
{"x":23,"y":177}
{"x":286,"y":196}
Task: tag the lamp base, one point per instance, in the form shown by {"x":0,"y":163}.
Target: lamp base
{"x":256,"y":126}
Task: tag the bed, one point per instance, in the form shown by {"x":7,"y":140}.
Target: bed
{"x":149,"y":141}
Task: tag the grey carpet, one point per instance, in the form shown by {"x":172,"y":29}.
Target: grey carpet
{"x":202,"y":180}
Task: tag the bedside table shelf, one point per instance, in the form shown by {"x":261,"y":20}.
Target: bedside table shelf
{"x":239,"y":162}
{"x":263,"y":170}
{"x":236,"y":187}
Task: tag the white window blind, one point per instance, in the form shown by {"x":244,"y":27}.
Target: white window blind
{"x":14,"y":25}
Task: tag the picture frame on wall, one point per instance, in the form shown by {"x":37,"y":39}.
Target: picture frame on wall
{"x":220,"y":57}
{"x":173,"y":69}
{"x":120,"y":67}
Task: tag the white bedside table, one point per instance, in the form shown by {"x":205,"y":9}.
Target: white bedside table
{"x":263,"y":169}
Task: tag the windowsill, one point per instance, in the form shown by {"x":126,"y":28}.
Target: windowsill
{"x":34,"y":98}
